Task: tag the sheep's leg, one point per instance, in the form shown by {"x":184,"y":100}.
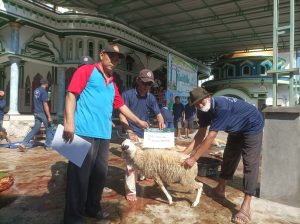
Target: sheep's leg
{"x":162,"y":187}
{"x":199,"y":192}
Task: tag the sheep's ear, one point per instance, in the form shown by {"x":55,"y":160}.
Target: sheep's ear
{"x":124,"y":147}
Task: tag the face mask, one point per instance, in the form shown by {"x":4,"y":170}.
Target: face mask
{"x":206,"y":107}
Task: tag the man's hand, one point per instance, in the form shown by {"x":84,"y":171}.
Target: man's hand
{"x":143,"y":124}
{"x":132,"y":136}
{"x":50,"y":120}
{"x":189,"y":162}
{"x":161,"y":125}
{"x":68,"y":134}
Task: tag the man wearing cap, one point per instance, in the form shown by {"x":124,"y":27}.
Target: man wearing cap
{"x":91,"y":97}
{"x":41,"y":115}
{"x":244,"y":125}
{"x":141,"y":102}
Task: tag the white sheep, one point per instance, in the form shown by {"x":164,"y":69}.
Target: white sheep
{"x":164,"y":166}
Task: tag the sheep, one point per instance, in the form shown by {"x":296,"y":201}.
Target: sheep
{"x":164,"y":166}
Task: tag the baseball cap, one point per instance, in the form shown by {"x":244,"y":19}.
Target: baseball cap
{"x":86,"y":60}
{"x":44,"y":81}
{"x":146,"y":75}
{"x":111,"y":49}
{"x":198,"y":94}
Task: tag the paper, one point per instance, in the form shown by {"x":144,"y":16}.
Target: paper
{"x":155,"y":138}
{"x":75,"y":151}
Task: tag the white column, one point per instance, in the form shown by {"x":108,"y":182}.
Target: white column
{"x":61,"y":90}
{"x":14,"y":83}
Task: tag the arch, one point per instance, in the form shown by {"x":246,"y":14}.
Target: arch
{"x":235,"y":93}
{"x":265,"y":66}
{"x":228,"y":70}
{"x":69,"y":48}
{"x":91,"y":48}
{"x":41,"y":47}
{"x":79,"y":48}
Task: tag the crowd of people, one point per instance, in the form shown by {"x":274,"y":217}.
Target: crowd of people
{"x":90,"y":100}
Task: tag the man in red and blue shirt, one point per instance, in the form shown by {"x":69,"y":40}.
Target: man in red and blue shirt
{"x":91,"y":97}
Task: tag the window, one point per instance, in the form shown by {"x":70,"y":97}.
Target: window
{"x":80,"y":48}
{"x":230,"y":72}
{"x":91,"y":49}
{"x":246,"y":70}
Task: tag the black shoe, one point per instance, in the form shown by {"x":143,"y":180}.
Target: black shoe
{"x":100,"y":215}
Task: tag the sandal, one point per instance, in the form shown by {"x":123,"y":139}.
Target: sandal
{"x":131,"y":197}
{"x":242,"y":217}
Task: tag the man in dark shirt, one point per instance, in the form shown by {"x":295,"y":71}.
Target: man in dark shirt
{"x":244,"y":125}
{"x":41,"y":115}
{"x":141,"y":102}
{"x":178,"y":112}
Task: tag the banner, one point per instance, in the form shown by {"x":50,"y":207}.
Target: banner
{"x":157,"y":139}
{"x":182,"y":78}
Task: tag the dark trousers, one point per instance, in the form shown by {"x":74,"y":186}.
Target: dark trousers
{"x":85,"y":185}
{"x":249,"y":147}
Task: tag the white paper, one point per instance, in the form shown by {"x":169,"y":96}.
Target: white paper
{"x":157,"y":139}
{"x":75,"y":151}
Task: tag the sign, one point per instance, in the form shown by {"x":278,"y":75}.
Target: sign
{"x":157,"y":139}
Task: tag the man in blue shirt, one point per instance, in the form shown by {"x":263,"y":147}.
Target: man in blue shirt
{"x":168,"y":117}
{"x":244,"y":125}
{"x":189,"y":117}
{"x":41,"y":115}
{"x":141,"y":102}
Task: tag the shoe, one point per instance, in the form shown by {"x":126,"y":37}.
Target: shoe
{"x":22,"y":148}
{"x":100,"y":215}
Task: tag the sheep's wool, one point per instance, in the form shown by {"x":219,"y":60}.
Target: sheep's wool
{"x":164,"y":163}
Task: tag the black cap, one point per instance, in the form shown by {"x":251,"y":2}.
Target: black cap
{"x":111,"y":49}
{"x":86,"y":60}
{"x":44,"y":81}
{"x":146,"y":75}
{"x":198,"y":94}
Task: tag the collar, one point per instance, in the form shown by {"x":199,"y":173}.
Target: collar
{"x":137,"y":93}
{"x":100,"y":69}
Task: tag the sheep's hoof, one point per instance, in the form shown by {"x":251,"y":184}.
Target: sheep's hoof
{"x":194,"y":204}
{"x":170,"y":202}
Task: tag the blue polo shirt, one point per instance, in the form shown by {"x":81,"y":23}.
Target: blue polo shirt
{"x":232,"y":115}
{"x":40,"y":95}
{"x":95,"y":101}
{"x":141,"y":106}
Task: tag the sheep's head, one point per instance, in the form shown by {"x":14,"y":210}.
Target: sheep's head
{"x":128,"y":148}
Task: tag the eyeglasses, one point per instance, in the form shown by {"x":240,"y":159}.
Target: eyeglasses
{"x":147,"y":83}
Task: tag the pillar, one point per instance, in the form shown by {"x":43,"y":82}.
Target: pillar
{"x":14,"y":37}
{"x":61,"y":73}
{"x":14,"y":83}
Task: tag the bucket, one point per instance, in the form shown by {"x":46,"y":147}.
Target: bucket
{"x":208,"y":167}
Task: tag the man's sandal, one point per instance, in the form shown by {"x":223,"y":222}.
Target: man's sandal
{"x":131,"y":197}
{"x":242,"y":217}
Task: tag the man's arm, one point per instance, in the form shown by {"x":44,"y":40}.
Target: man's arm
{"x":131,"y":116}
{"x":47,"y":111}
{"x":197,"y":140}
{"x":201,"y":149}
{"x":69,"y":127}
